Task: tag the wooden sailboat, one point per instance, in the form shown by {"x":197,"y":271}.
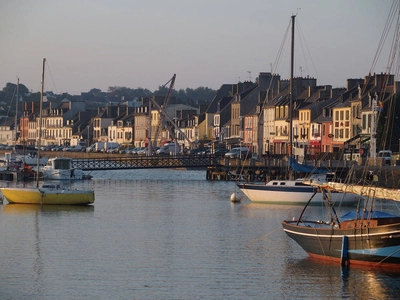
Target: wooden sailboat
{"x":365,"y":236}
{"x":48,"y":193}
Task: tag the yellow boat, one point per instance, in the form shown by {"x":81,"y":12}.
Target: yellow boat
{"x":48,"y":194}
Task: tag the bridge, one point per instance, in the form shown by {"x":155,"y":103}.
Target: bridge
{"x":145,"y":162}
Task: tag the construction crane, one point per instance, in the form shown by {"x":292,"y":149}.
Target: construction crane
{"x":164,"y":115}
{"x":164,"y":105}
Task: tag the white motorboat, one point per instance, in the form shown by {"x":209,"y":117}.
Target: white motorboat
{"x":60,"y":168}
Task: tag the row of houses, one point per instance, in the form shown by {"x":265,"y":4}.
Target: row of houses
{"x":259,"y":114}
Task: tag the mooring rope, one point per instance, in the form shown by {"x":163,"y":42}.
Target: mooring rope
{"x":264,"y":236}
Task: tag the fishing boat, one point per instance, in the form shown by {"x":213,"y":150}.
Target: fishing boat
{"x":47,"y":194}
{"x":370,"y":234}
{"x":60,"y":168}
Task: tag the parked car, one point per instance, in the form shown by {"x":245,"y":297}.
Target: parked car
{"x":168,"y":148}
{"x":58,"y":148}
{"x":113,"y":149}
{"x":206,"y":151}
{"x":76,"y":148}
{"x":237,"y":152}
{"x":196,"y":151}
{"x":220,"y":152}
{"x":125,"y":151}
{"x":386,"y":155}
{"x":134,"y":151}
{"x":142,"y":151}
{"x":110,"y":147}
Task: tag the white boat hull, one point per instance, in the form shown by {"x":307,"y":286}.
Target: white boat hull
{"x":286,"y":192}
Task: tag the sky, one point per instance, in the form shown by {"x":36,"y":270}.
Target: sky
{"x":141,"y":44}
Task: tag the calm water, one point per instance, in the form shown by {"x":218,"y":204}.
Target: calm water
{"x":167,"y":234}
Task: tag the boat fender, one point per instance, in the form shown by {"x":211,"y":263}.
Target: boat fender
{"x":235,"y":198}
{"x":375,"y":178}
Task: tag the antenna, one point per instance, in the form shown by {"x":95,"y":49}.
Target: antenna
{"x":301,"y":71}
{"x":249,"y":75}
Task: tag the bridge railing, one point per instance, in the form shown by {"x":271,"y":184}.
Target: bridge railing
{"x":144,"y":162}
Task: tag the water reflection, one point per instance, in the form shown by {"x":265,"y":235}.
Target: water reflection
{"x":354,"y":281}
{"x":11,"y":208}
{"x":165,"y":235}
{"x":29,"y":225}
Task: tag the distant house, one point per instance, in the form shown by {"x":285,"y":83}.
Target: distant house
{"x":7,"y":130}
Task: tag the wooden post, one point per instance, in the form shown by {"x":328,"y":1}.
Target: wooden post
{"x":344,"y":255}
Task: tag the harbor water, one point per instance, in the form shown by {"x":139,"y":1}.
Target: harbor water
{"x":168,"y":234}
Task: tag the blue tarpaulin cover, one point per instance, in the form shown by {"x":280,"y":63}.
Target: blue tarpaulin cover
{"x":373,"y":214}
{"x":304,"y":168}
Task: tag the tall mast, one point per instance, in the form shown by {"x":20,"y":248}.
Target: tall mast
{"x":291,"y":94}
{"x":40,"y":124}
{"x":149,"y":143}
{"x":16,"y":114}
{"x":372,"y":150}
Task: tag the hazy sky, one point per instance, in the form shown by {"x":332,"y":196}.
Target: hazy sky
{"x":137,"y":43}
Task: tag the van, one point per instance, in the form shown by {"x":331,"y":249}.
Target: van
{"x":238,"y":152}
{"x":168,"y":148}
{"x":386,"y":156}
{"x":110,"y":147}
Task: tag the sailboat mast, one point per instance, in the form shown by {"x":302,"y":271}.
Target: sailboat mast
{"x":40,"y":124}
{"x":291,"y":93}
{"x":16,"y":115}
{"x":372,"y":149}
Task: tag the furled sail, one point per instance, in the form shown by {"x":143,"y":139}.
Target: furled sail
{"x":363,"y":190}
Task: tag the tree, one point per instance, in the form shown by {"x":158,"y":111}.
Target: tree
{"x":10,"y":91}
{"x":95,"y":92}
{"x":119,"y":93}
